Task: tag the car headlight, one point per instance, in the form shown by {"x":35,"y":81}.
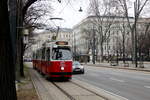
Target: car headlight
{"x":73,"y":67}
{"x":81,"y":67}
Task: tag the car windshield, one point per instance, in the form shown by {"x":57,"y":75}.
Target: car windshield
{"x":61,"y":54}
{"x":76,"y":63}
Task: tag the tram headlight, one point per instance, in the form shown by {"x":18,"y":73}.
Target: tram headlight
{"x":62,"y":68}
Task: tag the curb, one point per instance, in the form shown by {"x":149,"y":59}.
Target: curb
{"x":38,"y":94}
{"x":33,"y":83}
{"x":100,"y":92}
{"x":136,"y":69}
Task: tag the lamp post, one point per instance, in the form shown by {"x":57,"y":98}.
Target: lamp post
{"x":94,"y":47}
{"x":135,"y":34}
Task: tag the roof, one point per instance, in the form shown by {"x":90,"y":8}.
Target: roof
{"x":93,"y":16}
{"x":108,"y":16}
{"x":61,"y":29}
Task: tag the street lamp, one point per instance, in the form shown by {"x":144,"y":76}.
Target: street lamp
{"x":80,"y":10}
{"x":94,"y":46}
{"x":59,"y":1}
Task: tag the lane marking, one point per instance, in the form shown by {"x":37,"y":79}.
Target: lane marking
{"x":118,"y":80}
{"x":91,"y":84}
{"x":93,"y":74}
{"x":147,"y":87}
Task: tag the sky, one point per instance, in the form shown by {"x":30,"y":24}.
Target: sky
{"x":68,"y":10}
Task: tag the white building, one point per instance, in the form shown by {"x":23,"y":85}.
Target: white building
{"x":64,"y":34}
{"x":86,"y":33}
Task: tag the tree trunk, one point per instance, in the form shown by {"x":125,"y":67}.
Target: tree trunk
{"x":19,"y":63}
{"x":7,"y":72}
{"x":101,"y":58}
{"x":21,"y":60}
{"x":123,"y":42}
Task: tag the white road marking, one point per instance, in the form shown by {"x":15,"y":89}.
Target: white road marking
{"x":114,"y":79}
{"x":147,"y":87}
{"x":93,"y":74}
{"x":101,"y":89}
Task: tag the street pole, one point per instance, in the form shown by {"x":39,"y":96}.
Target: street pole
{"x":93,"y":46}
{"x":57,"y":31}
{"x":74,"y":45}
{"x":135,"y":33}
{"x":136,"y":64}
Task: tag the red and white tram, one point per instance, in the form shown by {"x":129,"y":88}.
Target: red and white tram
{"x":54,"y":59}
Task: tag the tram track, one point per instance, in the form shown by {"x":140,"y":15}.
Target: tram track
{"x":62,"y":90}
{"x":68,"y":90}
{"x":76,"y":92}
{"x":90,"y":91}
{"x":45,"y":89}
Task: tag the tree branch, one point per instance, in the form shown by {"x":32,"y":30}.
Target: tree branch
{"x":27,"y":5}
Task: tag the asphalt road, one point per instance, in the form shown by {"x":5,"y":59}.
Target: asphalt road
{"x":133,"y":85}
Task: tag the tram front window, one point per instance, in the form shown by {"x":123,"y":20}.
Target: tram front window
{"x":61,"y":54}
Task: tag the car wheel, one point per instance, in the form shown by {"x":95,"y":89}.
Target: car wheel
{"x":83,"y":71}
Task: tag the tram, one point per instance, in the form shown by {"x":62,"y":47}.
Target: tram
{"x":54,"y":59}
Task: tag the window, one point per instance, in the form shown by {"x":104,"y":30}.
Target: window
{"x":43,"y":54}
{"x":61,"y":54}
{"x":48,"y":54}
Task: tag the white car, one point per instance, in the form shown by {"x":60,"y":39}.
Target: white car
{"x":77,"y":67}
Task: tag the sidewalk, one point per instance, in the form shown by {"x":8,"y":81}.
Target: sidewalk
{"x":129,"y":66}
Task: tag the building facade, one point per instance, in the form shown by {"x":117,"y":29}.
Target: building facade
{"x":48,"y":35}
{"x":39,"y":38}
{"x":104,"y":36}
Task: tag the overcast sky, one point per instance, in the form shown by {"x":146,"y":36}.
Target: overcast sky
{"x":68,"y":10}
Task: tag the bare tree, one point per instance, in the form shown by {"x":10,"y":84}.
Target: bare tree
{"x":91,"y":41}
{"x":26,"y":18}
{"x":88,"y":37}
{"x":138,"y":8}
{"x":104,"y":12}
{"x":37,"y":12}
{"x":143,"y":39}
{"x":124,"y":35}
{"x":35,"y":17}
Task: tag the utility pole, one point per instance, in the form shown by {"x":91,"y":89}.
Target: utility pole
{"x":135,"y":33}
{"x":74,"y":42}
{"x":93,"y":49}
{"x":57,"y":31}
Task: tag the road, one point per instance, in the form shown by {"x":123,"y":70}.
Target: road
{"x":133,"y":85}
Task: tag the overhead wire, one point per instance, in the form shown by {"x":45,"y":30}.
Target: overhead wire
{"x":64,"y":7}
{"x":46,"y":7}
{"x":67,"y":3}
{"x":72,"y":6}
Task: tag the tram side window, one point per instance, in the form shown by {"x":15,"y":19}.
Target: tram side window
{"x":37,"y":55}
{"x":43,"y":54}
{"x":40,"y":55}
{"x":33,"y":56}
{"x":48,"y":54}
